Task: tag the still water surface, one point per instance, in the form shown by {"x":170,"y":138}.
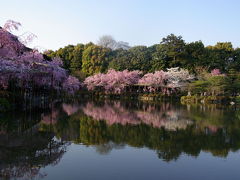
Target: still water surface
{"x":120,"y":140}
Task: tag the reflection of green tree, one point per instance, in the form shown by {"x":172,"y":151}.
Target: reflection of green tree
{"x":96,"y":133}
{"x":169,"y":145}
{"x":214,"y":130}
{"x":213,"y":116}
{"x":25,"y":158}
{"x":24,"y":150}
{"x":18,"y":121}
{"x":207,"y":115}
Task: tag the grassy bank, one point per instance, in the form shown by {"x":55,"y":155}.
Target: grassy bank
{"x":194,"y":99}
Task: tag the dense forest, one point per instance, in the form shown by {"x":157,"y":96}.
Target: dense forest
{"x":172,"y":51}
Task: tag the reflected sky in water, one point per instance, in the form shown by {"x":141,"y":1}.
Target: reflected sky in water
{"x":120,"y":140}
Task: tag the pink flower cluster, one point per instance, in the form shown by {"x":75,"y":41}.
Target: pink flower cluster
{"x":10,"y":45}
{"x":215,"y":72}
{"x":71,"y":85}
{"x":113,"y":81}
{"x":27,"y":68}
{"x":50,"y":118}
{"x":116,"y":81}
{"x":153,"y":81}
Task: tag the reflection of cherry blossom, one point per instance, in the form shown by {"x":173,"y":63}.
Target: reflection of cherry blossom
{"x":70,"y":108}
{"x":114,"y":113}
{"x":213,"y":129}
{"x":111,"y":113}
{"x":50,"y":118}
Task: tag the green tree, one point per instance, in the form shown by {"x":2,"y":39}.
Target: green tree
{"x":232,"y":82}
{"x":220,"y":56}
{"x":196,"y":57}
{"x":174,"y":47}
{"x":76,"y":61}
{"x":136,"y":58}
{"x":158,"y":58}
{"x":235,"y":64}
{"x":139,"y":58}
{"x":95,"y":59}
{"x":66,"y":54}
{"x":121,"y":60}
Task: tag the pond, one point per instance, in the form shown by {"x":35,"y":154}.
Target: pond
{"x":89,"y":139}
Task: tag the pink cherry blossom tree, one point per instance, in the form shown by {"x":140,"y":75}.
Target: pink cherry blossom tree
{"x":113,"y":81}
{"x":26,"y":67}
{"x":117,"y":81}
{"x":11,"y":25}
{"x":167,"y":82}
{"x":153,"y":81}
{"x":24,"y":38}
{"x":178,"y":77}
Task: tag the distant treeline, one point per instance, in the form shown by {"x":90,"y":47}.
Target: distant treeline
{"x":84,"y":60}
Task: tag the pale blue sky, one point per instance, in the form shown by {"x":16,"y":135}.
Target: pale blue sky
{"x":140,"y":22}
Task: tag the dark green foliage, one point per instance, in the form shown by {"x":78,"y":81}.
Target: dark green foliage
{"x":70,"y":55}
{"x":220,"y":56}
{"x":232,"y":82}
{"x":139,"y":58}
{"x":136,"y":58}
{"x":121,"y":60}
{"x":66,"y":54}
{"x":172,"y":51}
{"x":76,"y":61}
{"x":173,"y":47}
{"x":159,"y":58}
{"x":196,"y":56}
{"x":227,"y":85}
{"x":95,"y":59}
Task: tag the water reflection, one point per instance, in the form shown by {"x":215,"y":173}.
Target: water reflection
{"x":156,"y":116}
{"x":169,"y":129}
{"x":32,"y":140}
{"x":25,"y":148}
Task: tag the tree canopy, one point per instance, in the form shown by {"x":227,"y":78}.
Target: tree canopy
{"x":171,"y":51}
